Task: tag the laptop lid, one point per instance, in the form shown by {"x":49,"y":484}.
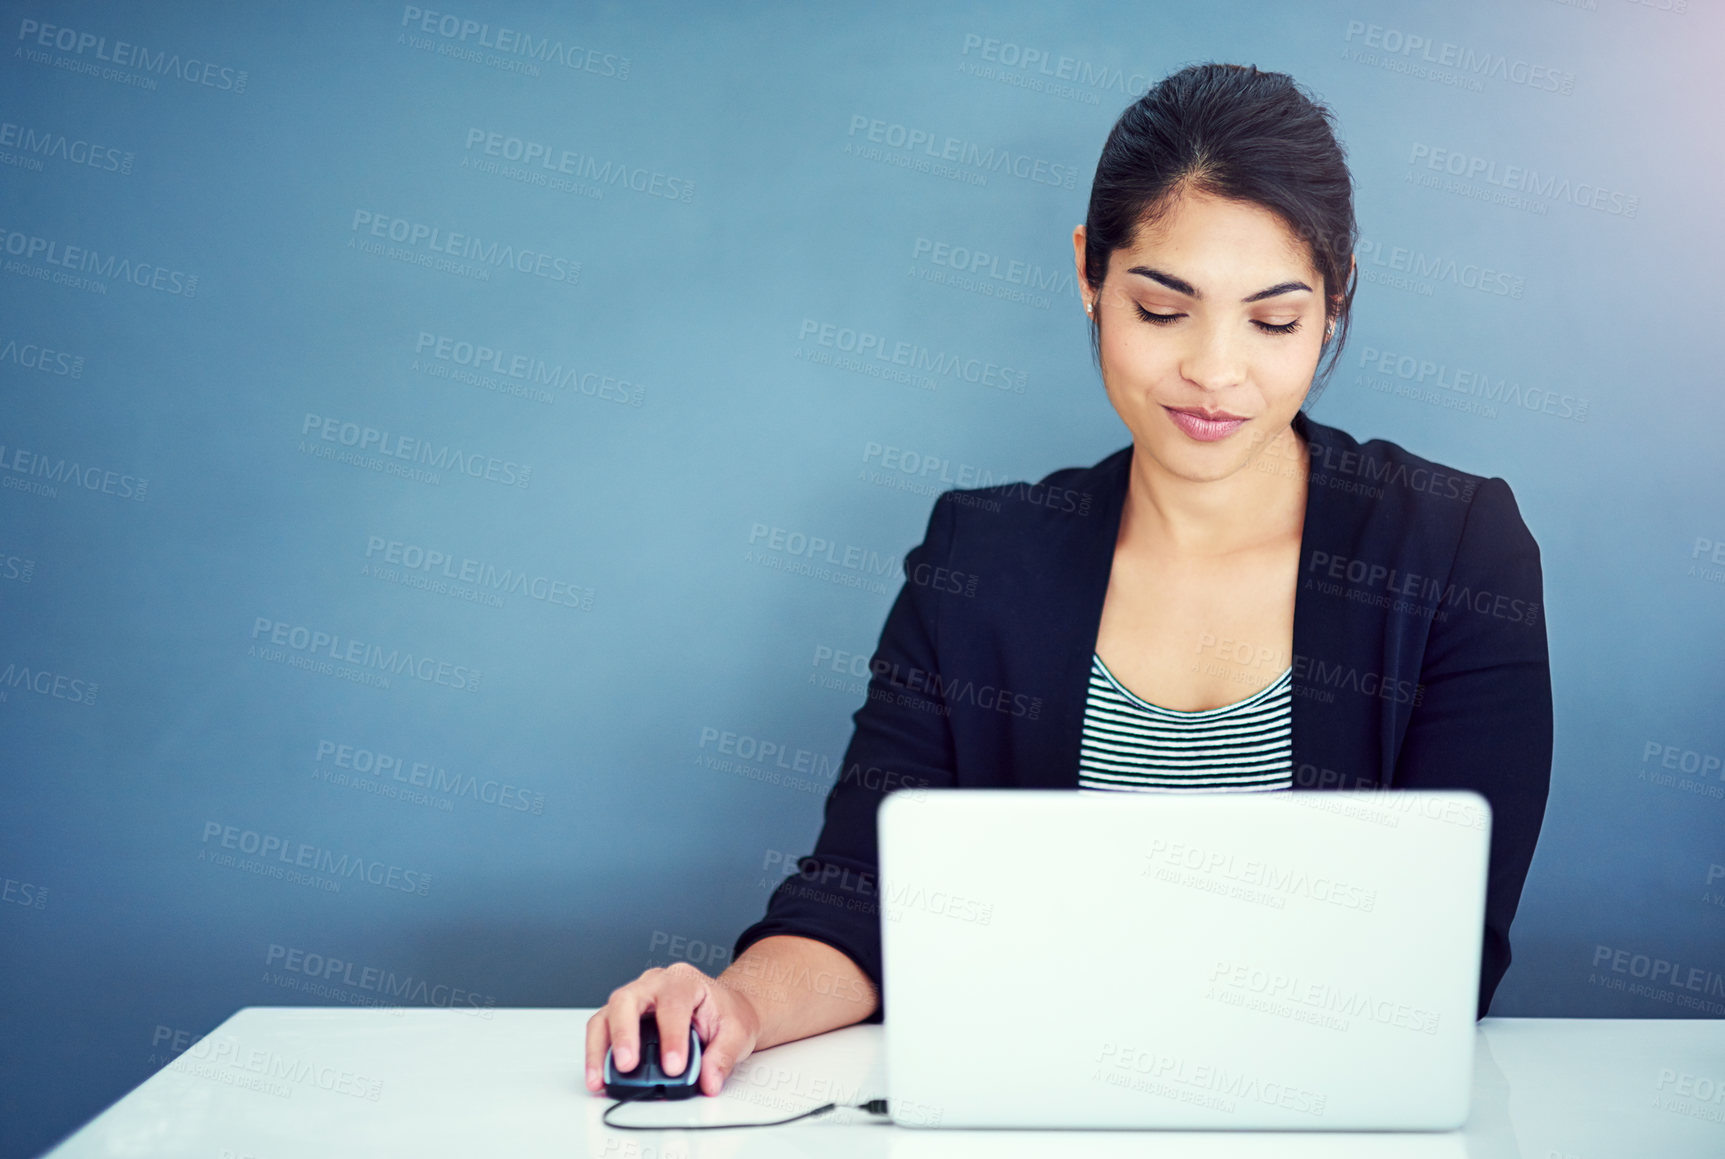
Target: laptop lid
{"x":1291,"y":960}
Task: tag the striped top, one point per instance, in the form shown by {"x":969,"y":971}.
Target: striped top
{"x":1131,"y":744}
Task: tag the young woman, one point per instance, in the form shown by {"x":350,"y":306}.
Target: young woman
{"x":1241,"y":600}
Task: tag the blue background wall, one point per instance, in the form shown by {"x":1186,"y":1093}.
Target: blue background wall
{"x":268,"y":422}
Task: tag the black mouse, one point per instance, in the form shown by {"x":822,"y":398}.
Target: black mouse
{"x":647,"y":1079}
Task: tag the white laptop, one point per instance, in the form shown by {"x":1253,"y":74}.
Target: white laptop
{"x":1288,"y":960}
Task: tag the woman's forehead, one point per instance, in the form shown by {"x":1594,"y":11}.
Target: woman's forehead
{"x":1226,"y":237}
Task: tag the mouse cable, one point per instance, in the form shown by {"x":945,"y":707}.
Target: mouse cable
{"x":873,"y":1107}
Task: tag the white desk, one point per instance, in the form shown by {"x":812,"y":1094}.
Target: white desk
{"x":281,"y":1082}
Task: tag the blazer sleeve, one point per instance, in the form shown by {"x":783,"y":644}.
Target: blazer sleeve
{"x":1484,"y":718}
{"x":902,"y":740}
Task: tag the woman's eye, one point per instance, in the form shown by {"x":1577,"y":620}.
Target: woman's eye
{"x":1266,"y":327}
{"x":1159,"y":319}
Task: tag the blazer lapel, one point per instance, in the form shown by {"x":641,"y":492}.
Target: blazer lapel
{"x":1082,"y":559}
{"x":1331,"y":726}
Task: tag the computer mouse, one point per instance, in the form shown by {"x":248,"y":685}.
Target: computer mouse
{"x":647,"y":1079}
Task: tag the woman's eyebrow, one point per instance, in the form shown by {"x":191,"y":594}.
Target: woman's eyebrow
{"x":1182,"y":286}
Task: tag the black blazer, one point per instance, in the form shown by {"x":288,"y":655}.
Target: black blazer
{"x":1419,"y":662}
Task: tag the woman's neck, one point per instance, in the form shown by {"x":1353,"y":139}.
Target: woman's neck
{"x":1263,"y":502}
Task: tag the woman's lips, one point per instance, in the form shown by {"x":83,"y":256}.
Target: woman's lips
{"x":1205,"y":426}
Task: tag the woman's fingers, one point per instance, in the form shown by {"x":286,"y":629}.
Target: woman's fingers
{"x":679,"y":998}
{"x":598,"y":1042}
{"x":680,"y":989}
{"x":623,"y":1017}
{"x":615,"y":1026}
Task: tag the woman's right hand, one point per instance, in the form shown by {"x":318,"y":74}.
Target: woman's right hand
{"x":726,"y":1022}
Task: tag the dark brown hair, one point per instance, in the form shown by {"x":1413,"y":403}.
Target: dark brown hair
{"x":1236,"y":132}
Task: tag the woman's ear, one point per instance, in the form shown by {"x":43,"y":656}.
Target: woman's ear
{"x":1078,"y":261}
